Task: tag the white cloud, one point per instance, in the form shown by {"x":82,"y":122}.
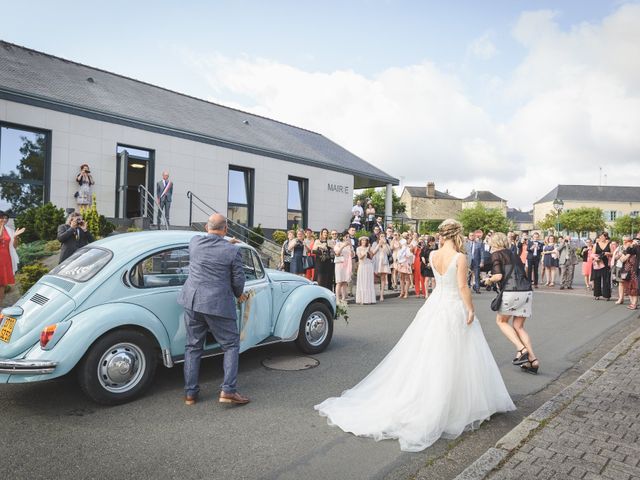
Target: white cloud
{"x":575,"y":97}
{"x":483,"y":47}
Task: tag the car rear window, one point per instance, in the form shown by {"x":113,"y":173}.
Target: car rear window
{"x":84,"y":264}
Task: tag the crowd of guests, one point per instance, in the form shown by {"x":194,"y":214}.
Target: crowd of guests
{"x":365,"y":266}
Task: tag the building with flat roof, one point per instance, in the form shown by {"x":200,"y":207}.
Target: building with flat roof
{"x":614,"y":201}
{"x":56,"y":115}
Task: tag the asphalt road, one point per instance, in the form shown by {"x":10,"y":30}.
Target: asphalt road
{"x":49,"y":430}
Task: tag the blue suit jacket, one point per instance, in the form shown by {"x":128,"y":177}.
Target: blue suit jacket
{"x":216,"y":276}
{"x":476,"y":257}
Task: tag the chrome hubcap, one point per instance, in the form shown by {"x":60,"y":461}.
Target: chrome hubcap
{"x":316,"y":328}
{"x":121,"y":367}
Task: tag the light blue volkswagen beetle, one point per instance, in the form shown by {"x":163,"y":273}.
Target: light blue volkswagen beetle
{"x":110,"y":312}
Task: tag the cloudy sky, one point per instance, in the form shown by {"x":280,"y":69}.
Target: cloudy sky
{"x":512,"y":96}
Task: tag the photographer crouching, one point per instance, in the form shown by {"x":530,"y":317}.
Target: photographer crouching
{"x":73,"y":235}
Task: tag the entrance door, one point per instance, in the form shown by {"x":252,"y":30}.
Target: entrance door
{"x":134,"y":170}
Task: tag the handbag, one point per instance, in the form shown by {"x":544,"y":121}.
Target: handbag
{"x":496,"y":303}
{"x":308,"y":262}
{"x":624,"y":275}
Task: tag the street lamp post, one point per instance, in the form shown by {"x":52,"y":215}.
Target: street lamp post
{"x":557,"y":206}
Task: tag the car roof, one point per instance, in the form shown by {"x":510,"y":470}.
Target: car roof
{"x":148,"y":240}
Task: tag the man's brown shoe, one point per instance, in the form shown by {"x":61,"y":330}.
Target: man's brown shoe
{"x":190,"y":399}
{"x":234,"y":398}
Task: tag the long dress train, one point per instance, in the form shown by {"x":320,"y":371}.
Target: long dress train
{"x":439,"y":380}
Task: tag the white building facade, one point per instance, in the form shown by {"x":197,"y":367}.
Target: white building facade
{"x":56,"y":115}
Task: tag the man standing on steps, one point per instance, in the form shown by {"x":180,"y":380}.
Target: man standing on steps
{"x":164,"y":195}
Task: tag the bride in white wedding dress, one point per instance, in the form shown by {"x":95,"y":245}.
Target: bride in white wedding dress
{"x":440,"y":379}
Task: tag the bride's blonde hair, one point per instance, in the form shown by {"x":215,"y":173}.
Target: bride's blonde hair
{"x":452,"y":229}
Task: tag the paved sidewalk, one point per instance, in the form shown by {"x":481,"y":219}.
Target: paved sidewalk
{"x":590,"y":430}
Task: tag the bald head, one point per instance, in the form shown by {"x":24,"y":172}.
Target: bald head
{"x":217,"y":224}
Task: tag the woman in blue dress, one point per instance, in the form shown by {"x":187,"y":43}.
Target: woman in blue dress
{"x":298,"y":250}
{"x":550,"y":259}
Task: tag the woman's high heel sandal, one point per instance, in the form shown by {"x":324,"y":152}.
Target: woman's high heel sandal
{"x":523,"y":357}
{"x":530,"y":368}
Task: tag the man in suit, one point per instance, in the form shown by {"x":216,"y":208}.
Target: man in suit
{"x":468,"y":246}
{"x":475,"y":253}
{"x":73,"y":235}
{"x":164,"y":195}
{"x":534,"y":253}
{"x":216,"y":279}
{"x":568,"y":260}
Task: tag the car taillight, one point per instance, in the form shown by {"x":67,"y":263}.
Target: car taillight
{"x":47,"y":334}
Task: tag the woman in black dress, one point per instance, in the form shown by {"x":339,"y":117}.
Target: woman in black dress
{"x":425,"y":267}
{"x":601,"y":274}
{"x":324,"y":260}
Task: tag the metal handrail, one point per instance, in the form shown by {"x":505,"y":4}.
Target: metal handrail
{"x":149,"y":202}
{"x":246,"y":231}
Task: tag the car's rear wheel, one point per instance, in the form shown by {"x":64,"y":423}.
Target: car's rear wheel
{"x":316,"y":328}
{"x":118,"y":367}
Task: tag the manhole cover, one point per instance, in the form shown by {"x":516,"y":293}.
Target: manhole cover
{"x":290,"y":363}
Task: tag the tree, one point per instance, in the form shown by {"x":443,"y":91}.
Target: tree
{"x":549,"y":222}
{"x":485,"y":219}
{"x":582,"y":220}
{"x":626,"y":225}
{"x":31,"y":167}
{"x":377,"y":198}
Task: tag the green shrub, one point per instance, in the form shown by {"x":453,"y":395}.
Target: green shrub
{"x":51,"y":247}
{"x":96,"y":224}
{"x":40,"y":223}
{"x":27,"y":220}
{"x":279,"y":236}
{"x":362,"y":233}
{"x":106,"y":227}
{"x":28,"y":253}
{"x":256,"y":236}
{"x":428,"y":226}
{"x":133,"y":229}
{"x":29,"y":275}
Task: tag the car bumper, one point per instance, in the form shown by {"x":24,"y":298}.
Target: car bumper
{"x":27,"y":367}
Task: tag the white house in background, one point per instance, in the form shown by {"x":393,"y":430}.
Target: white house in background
{"x":254,"y":169}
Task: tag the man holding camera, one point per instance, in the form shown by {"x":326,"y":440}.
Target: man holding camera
{"x":73,"y":235}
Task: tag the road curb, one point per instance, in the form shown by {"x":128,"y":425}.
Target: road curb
{"x":513,"y":440}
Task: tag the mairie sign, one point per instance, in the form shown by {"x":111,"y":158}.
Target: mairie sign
{"x":332,"y":187}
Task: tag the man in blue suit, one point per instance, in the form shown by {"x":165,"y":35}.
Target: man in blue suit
{"x":216,"y":279}
{"x":475,"y":254}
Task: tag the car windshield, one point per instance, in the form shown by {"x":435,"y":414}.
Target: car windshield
{"x":83,"y":264}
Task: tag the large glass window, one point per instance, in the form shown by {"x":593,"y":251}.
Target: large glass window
{"x":240,"y":197}
{"x":23,"y":163}
{"x":297,"y":203}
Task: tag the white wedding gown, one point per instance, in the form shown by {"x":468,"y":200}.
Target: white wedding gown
{"x":438,"y":381}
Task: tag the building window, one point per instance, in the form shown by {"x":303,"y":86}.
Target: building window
{"x":297,"y":202}
{"x":240,"y":196}
{"x":24,"y":158}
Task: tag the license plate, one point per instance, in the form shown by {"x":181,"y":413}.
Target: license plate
{"x":7,"y":329}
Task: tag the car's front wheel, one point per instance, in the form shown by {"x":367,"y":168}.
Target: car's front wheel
{"x":316,"y":328}
{"x":118,"y":367}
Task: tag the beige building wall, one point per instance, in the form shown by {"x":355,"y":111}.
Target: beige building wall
{"x":499,"y":205}
{"x":430,"y":208}
{"x":540,"y":210}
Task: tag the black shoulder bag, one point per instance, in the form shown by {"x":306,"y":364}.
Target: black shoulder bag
{"x":497,"y":302}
